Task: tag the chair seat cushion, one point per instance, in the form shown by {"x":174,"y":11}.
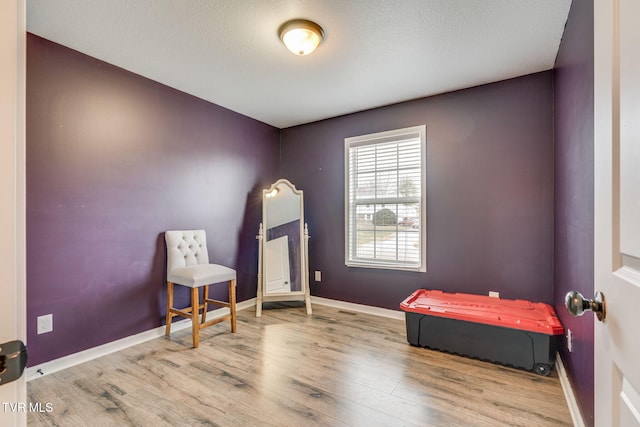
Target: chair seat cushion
{"x":198,"y":275}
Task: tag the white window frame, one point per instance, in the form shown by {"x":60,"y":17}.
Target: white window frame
{"x":351,"y":259}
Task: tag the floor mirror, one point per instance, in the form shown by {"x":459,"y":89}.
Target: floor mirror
{"x":283,"y":270}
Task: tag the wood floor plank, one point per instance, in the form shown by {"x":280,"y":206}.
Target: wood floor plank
{"x":334,"y":368}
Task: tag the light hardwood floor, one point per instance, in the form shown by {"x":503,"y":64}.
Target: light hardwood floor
{"x":335,"y":368}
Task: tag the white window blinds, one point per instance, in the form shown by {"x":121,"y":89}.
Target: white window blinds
{"x":385,"y":209}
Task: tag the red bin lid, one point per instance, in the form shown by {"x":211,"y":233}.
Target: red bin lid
{"x":514,"y":314}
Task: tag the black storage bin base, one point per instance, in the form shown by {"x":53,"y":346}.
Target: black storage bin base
{"x":511,"y":347}
{"x":435,"y":326}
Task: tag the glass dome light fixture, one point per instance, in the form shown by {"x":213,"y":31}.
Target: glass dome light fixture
{"x":301,"y":36}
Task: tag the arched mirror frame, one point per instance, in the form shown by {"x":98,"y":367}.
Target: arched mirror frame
{"x":270,"y":196}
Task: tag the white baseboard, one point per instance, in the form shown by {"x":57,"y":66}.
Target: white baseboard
{"x":65,"y":362}
{"x":574,"y":410}
{"x":376,"y":311}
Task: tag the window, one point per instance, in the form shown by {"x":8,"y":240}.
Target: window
{"x":385,"y":201}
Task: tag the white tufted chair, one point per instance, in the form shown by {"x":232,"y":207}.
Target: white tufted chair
{"x":188,"y":265}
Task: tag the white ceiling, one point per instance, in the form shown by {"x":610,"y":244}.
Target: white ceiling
{"x":376,"y":52}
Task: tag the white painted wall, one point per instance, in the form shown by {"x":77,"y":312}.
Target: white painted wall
{"x":12,"y":194}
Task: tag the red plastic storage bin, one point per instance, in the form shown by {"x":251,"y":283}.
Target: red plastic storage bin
{"x":517,"y":333}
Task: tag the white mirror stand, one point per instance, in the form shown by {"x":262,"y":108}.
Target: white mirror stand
{"x":283,"y":264}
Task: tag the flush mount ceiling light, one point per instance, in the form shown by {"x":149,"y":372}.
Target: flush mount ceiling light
{"x":301,"y":36}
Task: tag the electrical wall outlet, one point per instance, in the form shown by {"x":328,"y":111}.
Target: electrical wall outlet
{"x":318,"y":276}
{"x":494,"y":294}
{"x":45,"y":324}
{"x":569,"y":340}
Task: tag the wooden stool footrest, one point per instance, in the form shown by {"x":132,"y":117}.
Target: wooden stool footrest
{"x":214,"y":321}
{"x":217,"y":302}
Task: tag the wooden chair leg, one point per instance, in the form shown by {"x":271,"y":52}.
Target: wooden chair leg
{"x":167,"y":330}
{"x":232,"y":303}
{"x":205,"y":295}
{"x":195,"y":304}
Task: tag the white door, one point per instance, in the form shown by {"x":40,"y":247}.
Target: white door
{"x":617,"y":211}
{"x":12,"y":214}
{"x":278,"y":275}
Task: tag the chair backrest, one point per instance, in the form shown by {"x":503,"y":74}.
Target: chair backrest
{"x":186,"y":247}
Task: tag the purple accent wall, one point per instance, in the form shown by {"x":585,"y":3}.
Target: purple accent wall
{"x":489,"y":193}
{"x":114,"y":160}
{"x":574,"y":175}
